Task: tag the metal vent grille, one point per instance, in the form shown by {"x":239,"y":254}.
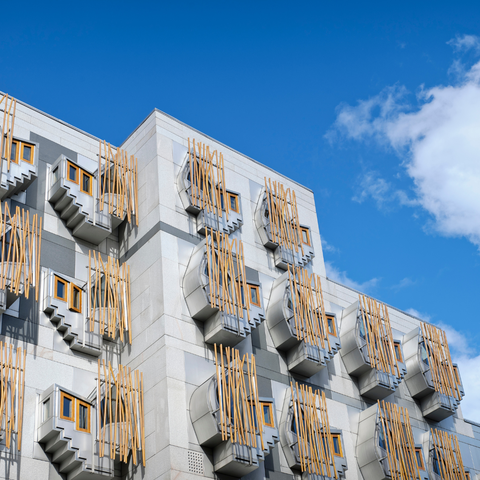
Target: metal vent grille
{"x":195,"y":462}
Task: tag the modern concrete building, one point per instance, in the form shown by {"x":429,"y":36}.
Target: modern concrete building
{"x":165,"y":313}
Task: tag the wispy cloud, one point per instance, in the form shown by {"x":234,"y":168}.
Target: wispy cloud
{"x":342,"y":277}
{"x":328,"y":247}
{"x":421,"y":316}
{"x":437,"y":142}
{"x":462,"y":43}
{"x":404,"y":283}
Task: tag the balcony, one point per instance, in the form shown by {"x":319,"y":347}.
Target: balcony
{"x":239,"y":442}
{"x":432,"y":378}
{"x":386,"y":447}
{"x":276,"y":217}
{"x":217,"y":292}
{"x":369,"y":351}
{"x":304,"y":430}
{"x":206,"y":197}
{"x":298,"y":323}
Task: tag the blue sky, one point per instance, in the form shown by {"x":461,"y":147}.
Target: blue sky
{"x":336,"y":95}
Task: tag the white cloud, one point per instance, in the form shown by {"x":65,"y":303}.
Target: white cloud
{"x":328,"y":247}
{"x":404,"y":283}
{"x":465,"y":42}
{"x":421,"y":316}
{"x":333,"y":273}
{"x":438,"y":143}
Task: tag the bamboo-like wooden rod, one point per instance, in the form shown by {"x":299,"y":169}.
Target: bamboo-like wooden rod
{"x":121,"y":397}
{"x":448,"y":455}
{"x":110,"y":289}
{"x":240,"y":412}
{"x":118,"y":182}
{"x":394,"y":423}
{"x":440,"y":361}
{"x":7,"y":126}
{"x":207,"y":179}
{"x":315,"y":441}
{"x":283,"y":216}
{"x":379,"y":338}
{"x":226,"y":274}
{"x":306,"y":293}
{"x":20,"y":251}
{"x":12,"y":391}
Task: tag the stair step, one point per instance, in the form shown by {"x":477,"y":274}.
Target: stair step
{"x":63,"y":202}
{"x":75,"y":219}
{"x":55,"y":443}
{"x":69,"y":464}
{"x":62,"y":453}
{"x":69,"y":211}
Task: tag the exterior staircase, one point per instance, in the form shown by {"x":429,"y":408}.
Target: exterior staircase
{"x":17,"y":179}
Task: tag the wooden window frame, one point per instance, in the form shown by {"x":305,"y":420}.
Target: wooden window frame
{"x":307,"y":231}
{"x":237,"y":202}
{"x":77,"y":416}
{"x":17,"y":152}
{"x":82,"y":174}
{"x":77,"y":173}
{"x":339,"y":437}
{"x":26,"y":144}
{"x":399,"y":345}
{"x":333,"y":323}
{"x":257,"y":288}
{"x":65,"y":284}
{"x":422,"y":466}
{"x":270,"y":408}
{"x":72,"y":398}
{"x":71,"y":306}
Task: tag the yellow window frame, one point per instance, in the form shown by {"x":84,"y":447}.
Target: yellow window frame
{"x":17,"y":150}
{"x":71,"y":306}
{"x":65,"y":285}
{"x":235,"y":197}
{"x":332,"y":318}
{"x":257,"y":289}
{"x":85,"y":174}
{"x":23,"y":145}
{"x":77,"y":422}
{"x":270,"y":409}
{"x":306,"y":231}
{"x":398,"y":351}
{"x":75,"y":167}
{"x":422,"y":464}
{"x":339,"y":438}
{"x":72,"y":399}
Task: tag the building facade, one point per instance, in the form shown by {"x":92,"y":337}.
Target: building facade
{"x":165,"y":313}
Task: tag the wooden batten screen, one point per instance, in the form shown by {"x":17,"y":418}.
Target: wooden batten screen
{"x":378,"y":332}
{"x":9,"y":105}
{"x":449,"y":457}
{"x":315,"y":442}
{"x":283,"y":216}
{"x":207,"y":178}
{"x":118,"y":182}
{"x":12,"y":392}
{"x":237,"y":387}
{"x":394,"y":423}
{"x":20,"y":254}
{"x":109,"y":284}
{"x":440,"y":361}
{"x":308,"y":307}
{"x":120,"y":412}
{"x":226,"y":274}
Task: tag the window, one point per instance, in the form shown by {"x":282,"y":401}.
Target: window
{"x":337,"y":445}
{"x":72,"y":172}
{"x":75,"y":298}
{"x":60,"y":288}
{"x":305,"y":235}
{"x":398,"y":351}
{"x":66,"y":406}
{"x":46,"y":410}
{"x":27,"y":152}
{"x":331,"y":325}
{"x":418,"y":454}
{"x":233,"y":202}
{"x":86,"y":182}
{"x":14,"y":151}
{"x":83,"y":416}
{"x":267,"y":409}
{"x":254,"y":295}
